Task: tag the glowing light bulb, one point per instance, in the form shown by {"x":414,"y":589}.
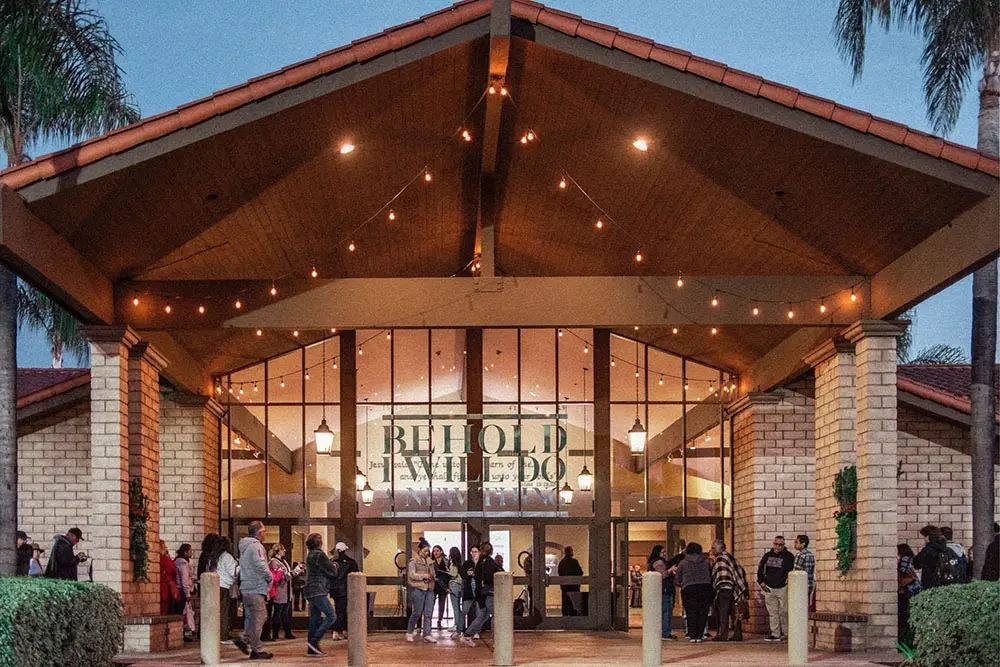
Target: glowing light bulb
{"x":661,"y":381}
{"x":641,"y":144}
{"x":531,"y":135}
{"x":560,"y":333}
{"x":218,"y":389}
{"x":600,"y":224}
{"x":503,"y":91}
{"x":295,"y":334}
{"x":238,"y":304}
{"x":822,"y":307}
{"x":854,"y":297}
{"x":307,"y":375}
{"x":714,"y":331}
{"x":715,"y":301}
{"x":314,"y":273}
{"x":562,"y":183}
{"x":756,"y":311}
{"x":351,"y":247}
{"x":466,"y":135}
{"x":493,"y":90}
{"x":612,"y":363}
{"x":635,"y":328}
{"x":674,"y":331}
{"x":334,"y":365}
{"x":167,"y":309}
{"x":638,"y":257}
{"x":273,"y":290}
{"x":135,"y":301}
{"x":790,"y":314}
{"x":361,"y":351}
{"x":388,"y":336}
{"x":586,"y":349}
{"x":392,"y":215}
{"x":686,"y":386}
{"x":241,"y":390}
{"x":255,"y":386}
{"x":680,"y":281}
{"x":260,"y":332}
{"x":201,"y":310}
{"x":346,"y":148}
{"x":427,"y":177}
{"x":478,"y":265}
{"x":333,"y":330}
{"x":524,"y":139}
{"x":282,"y":383}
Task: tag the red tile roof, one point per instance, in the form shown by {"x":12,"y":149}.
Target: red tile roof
{"x":945,"y":384}
{"x":458,"y":14}
{"x":37,"y":384}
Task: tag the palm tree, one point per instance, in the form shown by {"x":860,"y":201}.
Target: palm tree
{"x":961,"y":37}
{"x":932,"y":354}
{"x":38,"y":311}
{"x":58,"y":80}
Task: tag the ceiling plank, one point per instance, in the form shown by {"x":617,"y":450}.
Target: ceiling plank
{"x":46,"y":260}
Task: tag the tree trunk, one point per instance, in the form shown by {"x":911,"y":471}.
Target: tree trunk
{"x":983,"y":433}
{"x":8,"y":421}
{"x":57,"y":352}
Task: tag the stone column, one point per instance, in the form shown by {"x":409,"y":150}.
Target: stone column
{"x":875,"y":349}
{"x":773,"y":479}
{"x":189,"y":469}
{"x":834,"y":367}
{"x":107,"y":541}
{"x":144,"y":366}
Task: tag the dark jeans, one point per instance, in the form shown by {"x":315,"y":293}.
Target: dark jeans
{"x":279,"y":616}
{"x":667,"y":611}
{"x":724,"y":607}
{"x":321,"y":618}
{"x":442,"y":603}
{"x":224,"y":622}
{"x":340,"y":603}
{"x":697,"y":600}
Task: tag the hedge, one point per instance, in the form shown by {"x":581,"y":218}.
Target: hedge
{"x":49,"y":622}
{"x":957,"y":625}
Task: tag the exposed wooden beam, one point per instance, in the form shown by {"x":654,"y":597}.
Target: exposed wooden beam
{"x":183,"y":370}
{"x":949,"y":254}
{"x":784,"y":361}
{"x":252,"y":428}
{"x":555,"y":301}
{"x":45,"y":259}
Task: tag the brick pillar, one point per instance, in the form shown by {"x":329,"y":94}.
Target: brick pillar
{"x":189,"y":469}
{"x":107,"y":541}
{"x":875,"y":349}
{"x":144,"y":367}
{"x":773,"y":479}
{"x":835,"y":413}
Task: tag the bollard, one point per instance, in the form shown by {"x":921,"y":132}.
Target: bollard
{"x":209,"y":629}
{"x":652,"y":619}
{"x":798,"y":618}
{"x":357,"y":619}
{"x":503,"y":618}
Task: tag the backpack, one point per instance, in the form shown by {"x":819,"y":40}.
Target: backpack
{"x":948,"y":569}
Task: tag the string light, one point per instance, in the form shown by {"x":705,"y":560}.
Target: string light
{"x":466,"y":135}
{"x":315,"y":273}
{"x":392,"y":215}
{"x":560,"y":333}
{"x":791,"y":312}
{"x":135,"y":301}
{"x":238,"y":304}
{"x":273,"y":290}
{"x":756,"y":311}
{"x":638,"y":256}
{"x":680,"y":281}
{"x":167,"y":309}
{"x":715,"y":301}
{"x":361,"y":351}
{"x":295,"y":334}
{"x":346,"y":148}
{"x":333,"y":330}
{"x":388,"y":336}
{"x":822,"y":306}
{"x":260,"y":332}
{"x":661,"y":381}
{"x":562,"y":183}
{"x":255,"y":386}
{"x":530,"y":135}
{"x":427,"y":177}
{"x":503,"y":91}
{"x":586,"y":349}
{"x":714,"y":331}
{"x":674,"y":331}
{"x":641,"y":144}
{"x":307,"y":375}
{"x":282,"y":383}
{"x":351,"y":247}
{"x":854,"y":297}
{"x":600,"y":225}
{"x":492,"y":90}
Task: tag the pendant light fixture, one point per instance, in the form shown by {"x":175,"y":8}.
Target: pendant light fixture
{"x":361,"y":479}
{"x":323,"y":435}
{"x":585,"y":480}
{"x":637,"y":434}
{"x":566,"y":494}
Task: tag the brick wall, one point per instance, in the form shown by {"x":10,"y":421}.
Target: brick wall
{"x":53,"y":490}
{"x":935,"y":485}
{"x":773,"y":478}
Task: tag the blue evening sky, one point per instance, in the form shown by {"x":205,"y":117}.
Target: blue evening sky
{"x":176,"y":52}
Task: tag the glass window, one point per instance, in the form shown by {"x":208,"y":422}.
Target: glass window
{"x":538,"y":365}
{"x":500,"y":365}
{"x":572,"y":362}
{"x":558,"y":538}
{"x":666,"y":462}
{"x":374,"y":366}
{"x":704,"y":468}
{"x":579,"y":424}
{"x":284,"y":378}
{"x":627,"y":477}
{"x":285,"y":460}
{"x":246,"y":424}
{"x":411,"y":365}
{"x":541,"y":467}
{"x":703,"y":383}
{"x":627,"y":358}
{"x":450,"y":444}
{"x":501,"y":469}
{"x":665,"y":382}
{"x":448,"y":357}
{"x":322,"y":470}
{"x":313,"y":378}
{"x":513,"y":544}
{"x":378,"y":455}
{"x":413,"y":465}
{"x":224,"y":466}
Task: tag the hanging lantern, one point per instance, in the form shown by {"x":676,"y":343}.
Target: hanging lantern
{"x":367,"y":494}
{"x":324,"y":438}
{"x":360,"y":479}
{"x":637,"y":438}
{"x":585,"y":480}
{"x":566,"y":494}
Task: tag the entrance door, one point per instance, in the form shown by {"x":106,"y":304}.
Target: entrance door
{"x":621,"y":580}
{"x":566,"y":575}
{"x":516,"y":547}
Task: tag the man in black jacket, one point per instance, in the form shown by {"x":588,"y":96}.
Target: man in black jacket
{"x":569,"y":567}
{"x":932,"y":557}
{"x":991,"y":564}
{"x":320,"y":571}
{"x":772,"y":577}
{"x":485,"y":569}
{"x":338,"y":588}
{"x":24,"y":553}
{"x":62,"y":563}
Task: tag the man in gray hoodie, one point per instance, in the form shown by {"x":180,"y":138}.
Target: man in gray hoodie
{"x":255,"y":582}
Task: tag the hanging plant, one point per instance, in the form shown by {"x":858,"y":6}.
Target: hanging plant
{"x":845,"y":490}
{"x":138,"y":516}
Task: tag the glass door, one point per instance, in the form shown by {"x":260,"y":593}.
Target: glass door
{"x":621,"y":584}
{"x":515,"y":546}
{"x":385,"y":551}
{"x":565,"y":600}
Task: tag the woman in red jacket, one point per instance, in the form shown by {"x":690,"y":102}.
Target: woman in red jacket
{"x":169,"y":595}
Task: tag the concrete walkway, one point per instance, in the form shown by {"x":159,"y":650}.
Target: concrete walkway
{"x":530,"y":648}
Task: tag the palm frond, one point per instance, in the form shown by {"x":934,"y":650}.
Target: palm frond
{"x":940,"y":354}
{"x":61,"y":329}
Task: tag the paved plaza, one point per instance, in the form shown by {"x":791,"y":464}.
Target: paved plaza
{"x":530,"y":648}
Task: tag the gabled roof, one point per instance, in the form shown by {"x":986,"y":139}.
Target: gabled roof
{"x":38,"y":384}
{"x":436,"y":23}
{"x":944,"y":384}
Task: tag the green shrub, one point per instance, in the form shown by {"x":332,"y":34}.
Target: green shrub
{"x":48,"y":622}
{"x":956,"y":626}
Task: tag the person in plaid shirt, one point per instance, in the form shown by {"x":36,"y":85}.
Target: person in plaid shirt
{"x":806,"y":560}
{"x":730,"y":583}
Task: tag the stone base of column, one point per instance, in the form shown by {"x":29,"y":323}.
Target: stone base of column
{"x":839,"y":633}
{"x":153,"y":634}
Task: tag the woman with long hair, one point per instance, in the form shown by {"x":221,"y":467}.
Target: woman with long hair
{"x":222,"y":562}
{"x":279,"y":614}
{"x":185,"y":586}
{"x":442,"y":579}
{"x":455,"y":587}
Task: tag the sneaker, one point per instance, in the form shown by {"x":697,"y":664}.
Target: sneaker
{"x":698,"y":641}
{"x":772,"y":638}
{"x":455,"y":636}
{"x":430,"y":640}
{"x":475,"y":636}
{"x":691,"y":640}
{"x":313,"y":652}
{"x":242,"y":646}
{"x":410,"y":637}
{"x":468,"y":641}
{"x":337,"y":637}
{"x":261,"y":655}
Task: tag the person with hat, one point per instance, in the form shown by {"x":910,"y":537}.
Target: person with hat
{"x":338,"y":588}
{"x":420,"y":578}
{"x":63,"y":561}
{"x":24,"y":552}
